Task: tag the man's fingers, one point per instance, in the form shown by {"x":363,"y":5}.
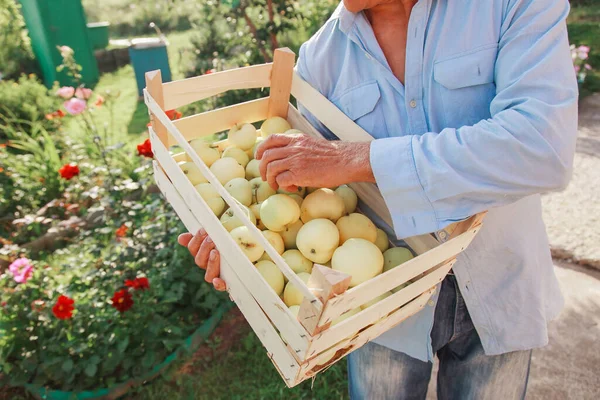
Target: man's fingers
{"x":194,"y":244}
{"x":287,"y":181}
{"x":219,"y":284}
{"x":184,"y":239}
{"x":273,"y":170}
{"x":213,"y":269}
{"x":269,"y":157}
{"x":201,"y":258}
{"x":272,"y":141}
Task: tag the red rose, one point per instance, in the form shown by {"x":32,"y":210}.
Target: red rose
{"x":68,"y":171}
{"x":122,"y":300}
{"x":145,"y":149}
{"x":122,"y":231}
{"x":138,"y":283}
{"x":173,"y":114}
{"x":63,"y":309}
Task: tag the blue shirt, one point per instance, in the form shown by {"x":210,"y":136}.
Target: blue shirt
{"x":486,"y":120}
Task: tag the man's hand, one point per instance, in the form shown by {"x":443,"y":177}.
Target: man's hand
{"x":289,"y":161}
{"x":205,"y":255}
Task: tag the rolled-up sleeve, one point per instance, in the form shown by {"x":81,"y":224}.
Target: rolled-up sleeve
{"x":429,"y":181}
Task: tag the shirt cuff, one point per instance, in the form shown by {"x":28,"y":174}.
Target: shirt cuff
{"x":393,"y":165}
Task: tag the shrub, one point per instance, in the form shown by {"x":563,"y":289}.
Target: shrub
{"x":16,"y":56}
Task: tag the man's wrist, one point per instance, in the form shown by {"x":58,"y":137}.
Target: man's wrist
{"x":357,"y":156}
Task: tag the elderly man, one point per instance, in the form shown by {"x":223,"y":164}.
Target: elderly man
{"x":473,"y":105}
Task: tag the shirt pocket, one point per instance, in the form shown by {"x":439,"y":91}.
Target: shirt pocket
{"x":361,"y":104}
{"x":466,"y":85}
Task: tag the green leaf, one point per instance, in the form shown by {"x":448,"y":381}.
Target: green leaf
{"x":67,"y":366}
{"x":90,"y":370}
{"x":123,"y":344}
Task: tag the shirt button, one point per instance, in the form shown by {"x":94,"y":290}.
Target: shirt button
{"x":413,"y":104}
{"x":443,"y":235}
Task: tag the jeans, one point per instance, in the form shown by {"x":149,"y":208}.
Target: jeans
{"x":465,"y":372}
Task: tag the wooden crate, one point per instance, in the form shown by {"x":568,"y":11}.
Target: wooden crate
{"x":311,"y":343}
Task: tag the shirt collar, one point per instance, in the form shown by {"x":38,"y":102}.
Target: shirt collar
{"x":345,"y":17}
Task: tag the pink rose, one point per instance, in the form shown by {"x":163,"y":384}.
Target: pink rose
{"x":583,"y":49}
{"x":66,"y":92}
{"x":75,"y":106}
{"x":588,"y":67}
{"x":83,"y":93}
{"x":21,"y":269}
{"x":582,"y":55}
{"x":577,"y":68}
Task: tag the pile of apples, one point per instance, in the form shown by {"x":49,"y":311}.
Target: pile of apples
{"x":313,"y":225}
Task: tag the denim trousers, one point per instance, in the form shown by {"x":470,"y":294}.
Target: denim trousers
{"x":465,"y":372}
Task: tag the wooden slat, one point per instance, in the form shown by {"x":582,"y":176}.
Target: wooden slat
{"x":268,"y":336}
{"x":222,"y":119}
{"x":395,"y":277}
{"x":273,"y":306}
{"x":154,"y":86}
{"x":185,"y":91}
{"x":281,"y":82}
{"x":371,"y":315}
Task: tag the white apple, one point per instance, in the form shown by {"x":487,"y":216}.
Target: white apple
{"x":259,"y":140}
{"x":322,"y":203}
{"x":242,"y":136}
{"x":293,"y":132}
{"x":376,"y":300}
{"x":247,"y":242}
{"x":297,"y":262}
{"x":252,"y":170}
{"x":205,"y":150}
{"x":255,"y":208}
{"x":230,"y":221}
{"x":225,"y":169}
{"x":294,"y":310}
{"x":272,"y":275}
{"x":261,"y":190}
{"x":274,"y":125}
{"x":395,"y":256}
{"x":382,"y":241}
{"x":292,"y":296}
{"x":348,"y":196}
{"x":276,"y":241}
{"x":309,"y":190}
{"x":345,"y":316}
{"x":241,"y":190}
{"x":278,"y":211}
{"x":212,"y":198}
{"x":318,"y":239}
{"x":358,"y":258}
{"x":300,"y":192}
{"x":356,"y":225}
{"x":237,"y":154}
{"x":298,"y":199}
{"x":180,"y":157}
{"x":289,"y":234}
{"x":192,"y":172}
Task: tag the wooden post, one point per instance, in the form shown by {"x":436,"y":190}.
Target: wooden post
{"x":325,"y":283}
{"x":155,"y":89}
{"x":281,"y":82}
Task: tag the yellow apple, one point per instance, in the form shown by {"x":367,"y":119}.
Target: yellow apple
{"x":395,"y":256}
{"x":345,"y":316}
{"x":298,"y":199}
{"x":300,"y":192}
{"x":382,"y":241}
{"x":258,"y":142}
{"x":225,"y":169}
{"x":237,"y":154}
{"x":356,"y":225}
{"x":293,"y":132}
{"x":276,"y":241}
{"x":289,"y":234}
{"x":205,"y":150}
{"x":231,"y":221}
{"x":399,"y":288}
{"x":247,"y":242}
{"x":261,"y":190}
{"x":318,"y":239}
{"x":274,"y":125}
{"x":358,"y":258}
{"x":255,"y":208}
{"x":180,"y":157}
{"x":212,"y":198}
{"x":252,"y":170}
{"x":297,"y":262}
{"x":278,"y":211}
{"x":322,"y":203}
{"x":348,"y":196}
{"x":272,"y":275}
{"x":292,"y":296}
{"x":242,"y":136}
{"x":192,"y":172}
{"x":240,"y":189}
{"x":376,"y":300}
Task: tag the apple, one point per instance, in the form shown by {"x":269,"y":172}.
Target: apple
{"x":278,"y":211}
{"x":358,"y":258}
{"x":255,"y":208}
{"x":274,"y":125}
{"x":297,"y":262}
{"x":382,"y":241}
{"x":272,"y":275}
{"x":348,"y":196}
{"x":261,"y":190}
{"x":292,"y":296}
{"x":242,"y":136}
{"x":175,"y":149}
{"x":345,"y":316}
{"x":318,"y":239}
{"x":205,"y":150}
{"x":294,"y":310}
{"x":276,"y":241}
{"x":241,"y":190}
{"x":293,"y":132}
{"x":247,"y":242}
{"x":300,"y":192}
{"x":289,"y":234}
{"x":192,"y":172}
{"x":298,"y":199}
{"x":399,"y":288}
{"x":238,"y":155}
{"x":322,"y":203}
{"x":180,"y":157}
{"x":376,"y":300}
{"x":225,"y":169}
{"x":356,"y":225}
{"x":231,"y":221}
{"x":261,"y":226}
{"x":212,"y":198}
{"x":312,"y":189}
{"x":395,"y":256}
{"x":258,"y":142}
{"x":252,"y":170}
